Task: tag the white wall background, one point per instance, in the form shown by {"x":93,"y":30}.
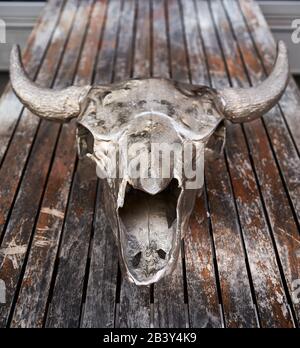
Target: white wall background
{"x":19,"y":18}
{"x":280,"y":16}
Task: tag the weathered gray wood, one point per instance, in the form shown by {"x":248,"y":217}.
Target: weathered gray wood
{"x":124,"y":53}
{"x":169,"y":307}
{"x":32,"y":300}
{"x":160,"y":54}
{"x":142,"y":49}
{"x":65,"y":304}
{"x":285,"y":230}
{"x":18,"y":232}
{"x":70,"y":262}
{"x":235,"y":285}
{"x":99,"y":307}
{"x":203,"y":302}
{"x":264,"y":270}
{"x":37,"y":44}
{"x":266,"y":47}
{"x":11,"y":108}
{"x":134,"y":306}
{"x":281,"y":142}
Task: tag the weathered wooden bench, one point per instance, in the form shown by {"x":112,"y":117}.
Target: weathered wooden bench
{"x":241,"y":258}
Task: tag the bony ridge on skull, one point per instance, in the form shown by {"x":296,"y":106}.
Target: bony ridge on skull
{"x":148,"y":138}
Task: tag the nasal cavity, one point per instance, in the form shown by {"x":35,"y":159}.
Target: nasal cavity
{"x":136,"y":259}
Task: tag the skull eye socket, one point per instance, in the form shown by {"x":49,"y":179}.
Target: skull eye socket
{"x":85,"y":141}
{"x":136,"y":259}
{"x":161,"y":253}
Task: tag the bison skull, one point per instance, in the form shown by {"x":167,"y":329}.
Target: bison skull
{"x":119,"y":126}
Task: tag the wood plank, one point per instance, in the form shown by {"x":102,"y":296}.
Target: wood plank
{"x":67,"y":314}
{"x":142,"y":49}
{"x":32,"y":300}
{"x":235,"y":286}
{"x":266,"y":47}
{"x":21,"y":143}
{"x":170,"y":309}
{"x":134,"y":307}
{"x":285,"y":230}
{"x":18,"y":232}
{"x":37,"y":44}
{"x":270,"y":297}
{"x":281,"y":141}
{"x":106,"y":59}
{"x":160,"y":55}
{"x":65,"y":304}
{"x":203,"y":302}
{"x":65,"y":272}
{"x":124,"y":55}
{"x":99,"y":307}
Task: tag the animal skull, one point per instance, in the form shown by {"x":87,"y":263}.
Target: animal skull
{"x":148,"y":210}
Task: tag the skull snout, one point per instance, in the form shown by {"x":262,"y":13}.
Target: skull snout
{"x":150,"y":259}
{"x":149,"y":233}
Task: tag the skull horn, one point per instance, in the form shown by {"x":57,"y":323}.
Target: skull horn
{"x":57,"y":105}
{"x":241,"y":105}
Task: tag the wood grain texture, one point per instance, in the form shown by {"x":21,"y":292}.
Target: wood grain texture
{"x":170,"y":309}
{"x":203,"y":301}
{"x":283,"y":224}
{"x":78,"y":229}
{"x":17,"y":235}
{"x":234,"y":281}
{"x":266,"y":47}
{"x":37,"y":44}
{"x":264,"y":271}
{"x":239,"y":261}
{"x":134,"y":304}
{"x":276,"y":128}
{"x":32,"y":300}
{"x":99,"y":307}
{"x":21,"y":142}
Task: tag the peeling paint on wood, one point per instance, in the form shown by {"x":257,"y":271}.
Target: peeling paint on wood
{"x":243,"y":232}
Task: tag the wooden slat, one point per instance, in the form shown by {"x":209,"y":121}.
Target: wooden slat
{"x":134,"y":306}
{"x":34,"y":293}
{"x":273,"y":308}
{"x":99,"y":308}
{"x":170,"y":309}
{"x":124,"y":59}
{"x":285,"y":230}
{"x":65,"y":304}
{"x":21,"y":142}
{"x":68,"y":313}
{"x":160,"y":56}
{"x":235,"y":285}
{"x":283,"y":146}
{"x":142,"y":48}
{"x":266,"y":47}
{"x":18,"y":232}
{"x":37,"y":44}
{"x":241,"y":254}
{"x":204,"y":307}
{"x":20,"y":145}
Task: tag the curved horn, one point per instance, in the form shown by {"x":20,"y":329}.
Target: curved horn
{"x":58,"y":105}
{"x":240,"y":105}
